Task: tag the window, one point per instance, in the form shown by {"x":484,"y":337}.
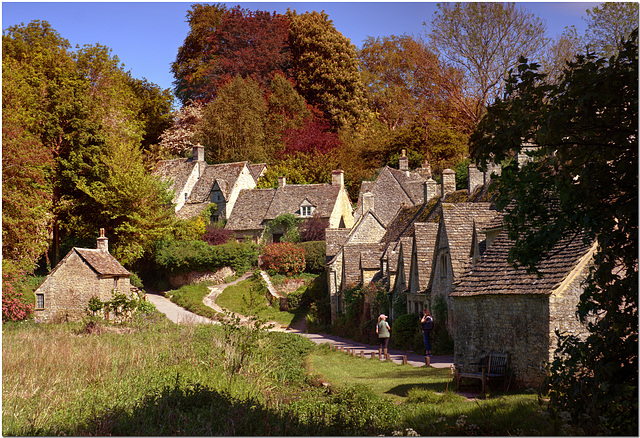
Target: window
{"x":305,"y":210}
{"x":115,"y":282}
{"x":443,"y":265}
{"x":39,"y":301}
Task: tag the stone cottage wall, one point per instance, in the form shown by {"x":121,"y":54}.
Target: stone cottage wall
{"x":68,"y":290}
{"x":513,"y":324}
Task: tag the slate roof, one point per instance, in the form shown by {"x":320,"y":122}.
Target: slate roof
{"x":425,"y":235}
{"x":250,"y":209}
{"x":257,"y":170}
{"x":370,"y":259}
{"x":177,"y":171}
{"x":102,"y":262}
{"x":352,"y":261}
{"x":494,"y":275}
{"x":288,"y":199}
{"x":335,"y":237}
{"x":459,"y":221}
{"x":391,"y":189}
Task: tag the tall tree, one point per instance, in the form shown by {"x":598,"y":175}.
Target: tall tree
{"x":584,"y":181}
{"x":180,"y":137}
{"x":194,"y":58}
{"x":485,"y":41}
{"x":560,"y":51}
{"x":609,"y":24}
{"x":233,"y":125}
{"x":325,"y":67}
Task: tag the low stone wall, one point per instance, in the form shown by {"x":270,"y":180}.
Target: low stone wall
{"x":217,"y":277}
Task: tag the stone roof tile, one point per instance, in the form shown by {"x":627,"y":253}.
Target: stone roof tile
{"x":102,"y":262}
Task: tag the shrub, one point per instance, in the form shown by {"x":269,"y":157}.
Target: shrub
{"x":404,"y":330}
{"x":313,"y":229}
{"x":136,"y":281}
{"x":217,"y":235}
{"x":14,"y":305}
{"x":284,"y":258}
{"x":287,"y":224}
{"x":315,"y":254}
{"x":196,"y":255}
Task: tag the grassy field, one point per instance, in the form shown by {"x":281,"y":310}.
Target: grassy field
{"x":151,"y":377}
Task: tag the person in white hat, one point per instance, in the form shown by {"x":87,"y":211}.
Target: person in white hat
{"x":384,"y":333}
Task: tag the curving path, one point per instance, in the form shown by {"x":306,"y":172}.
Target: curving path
{"x":180,"y":315}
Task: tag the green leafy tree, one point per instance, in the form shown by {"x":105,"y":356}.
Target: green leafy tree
{"x":233,"y":125}
{"x":609,"y":24}
{"x":485,"y":40}
{"x":583,"y":180}
{"x":325,"y":67}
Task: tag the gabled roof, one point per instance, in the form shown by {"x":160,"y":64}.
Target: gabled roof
{"x":336,"y":238}
{"x":425,"y":234}
{"x":351,"y":261}
{"x":250,"y":209}
{"x":459,"y":222}
{"x":288,"y":199}
{"x":177,"y":171}
{"x":225,"y":174}
{"x":257,"y":170}
{"x":102,"y":262}
{"x":494,"y":275}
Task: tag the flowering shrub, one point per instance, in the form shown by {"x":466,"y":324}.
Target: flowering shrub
{"x":284,"y":258}
{"x":216,"y":235}
{"x":13,"y":306}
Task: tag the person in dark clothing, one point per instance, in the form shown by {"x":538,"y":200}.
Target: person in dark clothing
{"x":427,"y":325}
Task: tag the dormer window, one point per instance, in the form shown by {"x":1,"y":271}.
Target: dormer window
{"x":306,"y":210}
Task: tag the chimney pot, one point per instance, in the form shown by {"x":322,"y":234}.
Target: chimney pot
{"x":282,"y":181}
{"x":103,"y":242}
{"x":198,"y":152}
{"x":403,"y":161}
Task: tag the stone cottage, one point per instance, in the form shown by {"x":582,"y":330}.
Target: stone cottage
{"x":256,"y":208}
{"x":498,"y":308}
{"x":80,"y":275}
{"x":197,"y":184}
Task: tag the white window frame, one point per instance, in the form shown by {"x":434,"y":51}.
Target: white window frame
{"x":306,"y":210}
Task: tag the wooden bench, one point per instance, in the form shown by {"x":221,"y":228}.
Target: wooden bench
{"x":494,"y":367}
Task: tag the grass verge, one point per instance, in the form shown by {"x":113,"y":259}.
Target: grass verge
{"x":190,"y":297}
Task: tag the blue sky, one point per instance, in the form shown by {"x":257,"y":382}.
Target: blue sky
{"x":145,"y":36}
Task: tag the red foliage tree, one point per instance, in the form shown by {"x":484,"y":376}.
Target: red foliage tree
{"x":248,"y":44}
{"x":314,"y":137}
{"x":313,"y":229}
{"x":13,"y":306}
{"x":215,"y":235}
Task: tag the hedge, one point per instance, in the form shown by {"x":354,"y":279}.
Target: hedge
{"x":196,"y":255}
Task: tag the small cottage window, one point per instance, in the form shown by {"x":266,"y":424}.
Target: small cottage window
{"x":306,"y":210}
{"x":39,"y":301}
{"x":443,"y":265}
{"x":115,"y":282}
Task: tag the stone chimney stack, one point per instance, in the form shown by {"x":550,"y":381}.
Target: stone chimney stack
{"x":367,"y":202}
{"x":430,"y":189}
{"x":282,"y":181}
{"x":198,"y":152}
{"x":337,"y":178}
{"x":476,"y":178}
{"x":448,"y":182}
{"x":103,"y":242}
{"x":403,"y":161}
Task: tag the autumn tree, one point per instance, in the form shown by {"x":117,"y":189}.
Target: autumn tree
{"x":561,"y":50}
{"x":609,"y":24}
{"x":485,"y":41}
{"x":181,"y":136}
{"x":583,"y":181}
{"x":325,"y":67}
{"x":195,"y":56}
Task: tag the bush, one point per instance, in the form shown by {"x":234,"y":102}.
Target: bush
{"x":284,"y":258}
{"x":14,"y":305}
{"x":404,"y":330}
{"x":313,"y":229}
{"x":315,"y":254}
{"x":217,"y":235}
{"x":196,"y":255}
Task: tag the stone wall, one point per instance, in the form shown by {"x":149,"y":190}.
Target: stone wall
{"x":69,"y":288}
{"x":179,"y":280}
{"x":514,"y":324}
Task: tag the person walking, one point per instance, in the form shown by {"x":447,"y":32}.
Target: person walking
{"x":427,"y":325}
{"x":384,"y":333}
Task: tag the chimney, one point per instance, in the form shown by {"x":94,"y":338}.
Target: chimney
{"x":367,"y":202}
{"x":430,"y":189}
{"x":448,"y":182}
{"x":198,"y":152}
{"x":103,"y":242}
{"x":337,"y":177}
{"x":476,"y":178}
{"x":403,"y":161}
{"x":282,"y":181}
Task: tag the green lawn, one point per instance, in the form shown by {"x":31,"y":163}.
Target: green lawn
{"x":240,"y":299}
